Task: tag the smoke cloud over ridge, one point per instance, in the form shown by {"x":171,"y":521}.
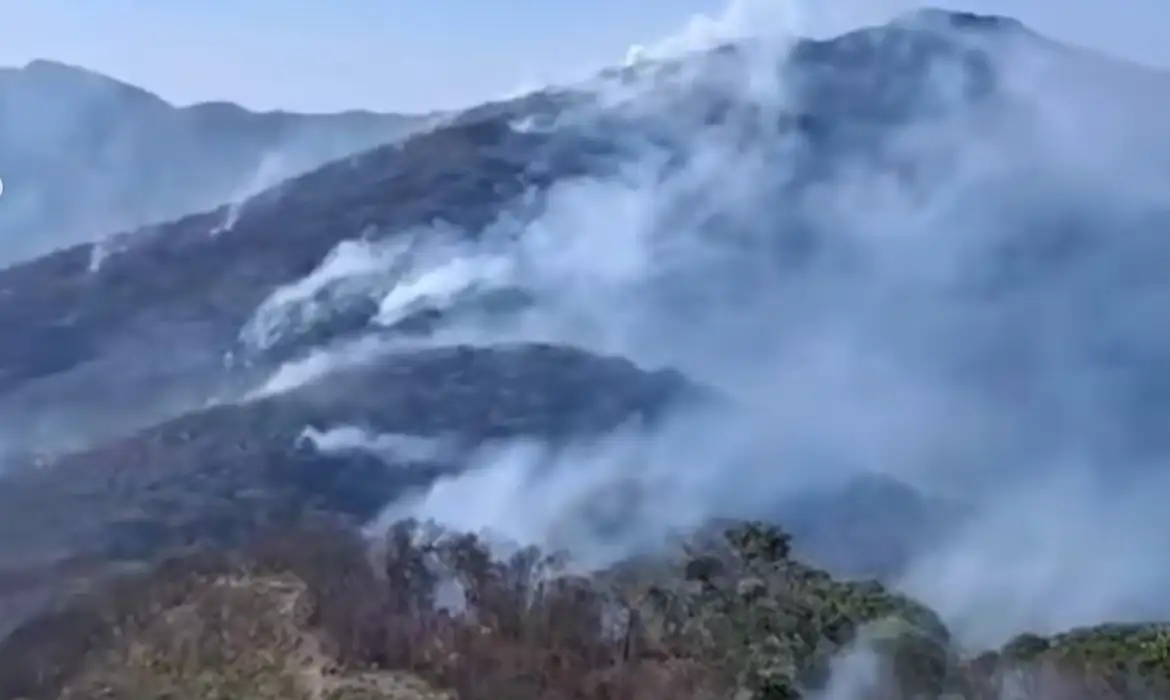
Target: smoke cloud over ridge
{"x":932,"y":251}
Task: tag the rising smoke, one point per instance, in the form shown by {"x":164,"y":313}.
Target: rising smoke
{"x":953,"y":276}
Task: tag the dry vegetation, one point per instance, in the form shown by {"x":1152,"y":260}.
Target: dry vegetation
{"x":316,"y":615}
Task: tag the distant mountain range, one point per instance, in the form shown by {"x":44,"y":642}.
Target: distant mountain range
{"x":83,"y":155}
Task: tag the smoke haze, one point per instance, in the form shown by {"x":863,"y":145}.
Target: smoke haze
{"x":932,"y":251}
{"x":84,"y":156}
{"x":920,"y":268}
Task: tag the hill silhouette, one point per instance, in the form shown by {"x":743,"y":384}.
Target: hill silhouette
{"x":84,"y":155}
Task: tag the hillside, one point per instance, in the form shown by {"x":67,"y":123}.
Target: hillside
{"x":83,"y":155}
{"x":306,"y":616}
{"x":898,"y":291}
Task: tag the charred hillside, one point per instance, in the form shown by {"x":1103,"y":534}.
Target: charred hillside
{"x":898,"y":291}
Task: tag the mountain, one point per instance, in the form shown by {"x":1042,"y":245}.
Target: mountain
{"x":83,"y":155}
{"x":899,"y":291}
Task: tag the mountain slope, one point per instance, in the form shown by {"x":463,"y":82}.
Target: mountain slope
{"x":182,"y":286}
{"x":72,"y":326}
{"x":918,"y":270}
{"x":83,"y":155}
{"x":905,"y":115}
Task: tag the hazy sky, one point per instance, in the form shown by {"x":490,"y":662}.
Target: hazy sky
{"x":412,"y":55}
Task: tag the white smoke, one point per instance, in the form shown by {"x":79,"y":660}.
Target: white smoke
{"x":271,"y":170}
{"x":946,"y":310}
{"x":393,"y":447}
{"x":779,"y":21}
{"x":353,"y":268}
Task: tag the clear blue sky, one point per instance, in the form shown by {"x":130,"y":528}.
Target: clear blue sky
{"x":411,"y":55}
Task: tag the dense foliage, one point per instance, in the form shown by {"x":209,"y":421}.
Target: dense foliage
{"x":318,"y":615}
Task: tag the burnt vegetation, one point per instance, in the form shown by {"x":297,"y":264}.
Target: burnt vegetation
{"x":188,"y":546}
{"x":319,"y":614}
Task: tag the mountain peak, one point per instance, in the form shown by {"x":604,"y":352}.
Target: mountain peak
{"x":938,"y":18}
{"x":66,"y":78}
{"x":48,"y":65}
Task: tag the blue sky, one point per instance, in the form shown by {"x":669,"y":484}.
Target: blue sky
{"x":411,"y":55}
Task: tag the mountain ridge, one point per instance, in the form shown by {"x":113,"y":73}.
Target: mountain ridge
{"x":85,"y":155}
{"x":814,"y":287}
